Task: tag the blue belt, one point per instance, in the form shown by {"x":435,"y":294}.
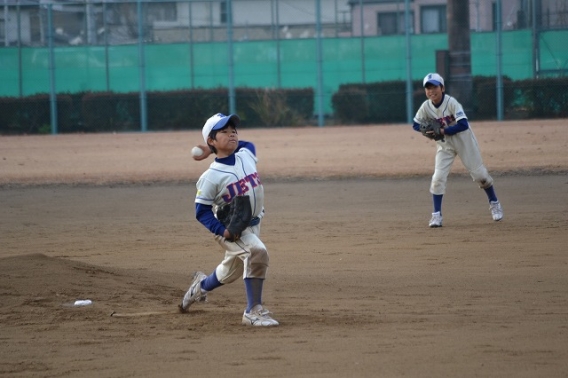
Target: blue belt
{"x":254,"y":221}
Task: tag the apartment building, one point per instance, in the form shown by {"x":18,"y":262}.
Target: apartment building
{"x":387,"y":17}
{"x":122,"y":22}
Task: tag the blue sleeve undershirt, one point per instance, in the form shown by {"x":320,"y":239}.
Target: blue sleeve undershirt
{"x":248,"y":145}
{"x":204,"y":214}
{"x":460,"y":126}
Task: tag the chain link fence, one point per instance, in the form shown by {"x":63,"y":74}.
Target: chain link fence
{"x":66,"y":65}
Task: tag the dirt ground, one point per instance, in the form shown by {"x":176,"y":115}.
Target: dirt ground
{"x":362,"y":287}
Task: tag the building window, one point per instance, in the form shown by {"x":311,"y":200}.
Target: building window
{"x":494,"y":17}
{"x":166,"y":11}
{"x":390,"y":23}
{"x":224,"y":14}
{"x":2,"y":29}
{"x":433,"y":19}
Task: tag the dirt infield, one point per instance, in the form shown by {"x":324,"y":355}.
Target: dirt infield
{"x":362,"y":287}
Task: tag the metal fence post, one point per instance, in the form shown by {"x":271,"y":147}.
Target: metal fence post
{"x":191,"y":68}
{"x":499,"y":63}
{"x":409,"y":99}
{"x":319,"y":63}
{"x":536,"y":41}
{"x":20,"y":69}
{"x":362,"y":30}
{"x":52,"y":93}
{"x":6,"y":29}
{"x":278,"y":63}
{"x":232,"y":107}
{"x":142,"y":69}
{"x":107,"y":67}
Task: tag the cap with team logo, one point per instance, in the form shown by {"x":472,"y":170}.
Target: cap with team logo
{"x":433,"y":78}
{"x":218,"y":121}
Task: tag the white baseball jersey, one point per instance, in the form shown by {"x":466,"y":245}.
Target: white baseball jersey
{"x":218,"y":185}
{"x":447,"y":114}
{"x":463,"y":144}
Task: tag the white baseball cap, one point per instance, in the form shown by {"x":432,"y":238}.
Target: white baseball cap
{"x":433,"y":78}
{"x":218,"y":121}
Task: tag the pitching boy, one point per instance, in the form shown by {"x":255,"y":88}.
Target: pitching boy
{"x":233,"y":173}
{"x":459,"y":140}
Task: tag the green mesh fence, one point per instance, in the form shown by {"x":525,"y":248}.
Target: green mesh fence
{"x":286,"y":63}
{"x":260,"y":63}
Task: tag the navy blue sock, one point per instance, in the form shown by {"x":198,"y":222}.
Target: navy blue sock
{"x":211,"y":282}
{"x":254,"y":292}
{"x":491,"y":194}
{"x":437,"y":199}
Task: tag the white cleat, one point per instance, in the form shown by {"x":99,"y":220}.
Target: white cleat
{"x":259,"y":317}
{"x":436,"y":220}
{"x":194,"y":293}
{"x":496,"y":210}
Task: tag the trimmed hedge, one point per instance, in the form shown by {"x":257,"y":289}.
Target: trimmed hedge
{"x":176,"y":110}
{"x":546,"y":98}
{"x":385,"y":102}
{"x":373,"y":103}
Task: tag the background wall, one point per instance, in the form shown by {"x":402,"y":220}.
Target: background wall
{"x":285,"y":63}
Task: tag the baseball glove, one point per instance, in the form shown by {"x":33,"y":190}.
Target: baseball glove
{"x":236,"y":216}
{"x":431,"y":130}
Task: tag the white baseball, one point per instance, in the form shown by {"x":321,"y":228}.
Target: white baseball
{"x":196,"y":151}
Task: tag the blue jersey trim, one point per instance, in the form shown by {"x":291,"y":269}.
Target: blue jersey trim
{"x":230,"y":160}
{"x":441,"y":102}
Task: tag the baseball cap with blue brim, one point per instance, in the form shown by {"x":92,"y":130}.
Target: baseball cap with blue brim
{"x":434,"y":79}
{"x":217,"y":122}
